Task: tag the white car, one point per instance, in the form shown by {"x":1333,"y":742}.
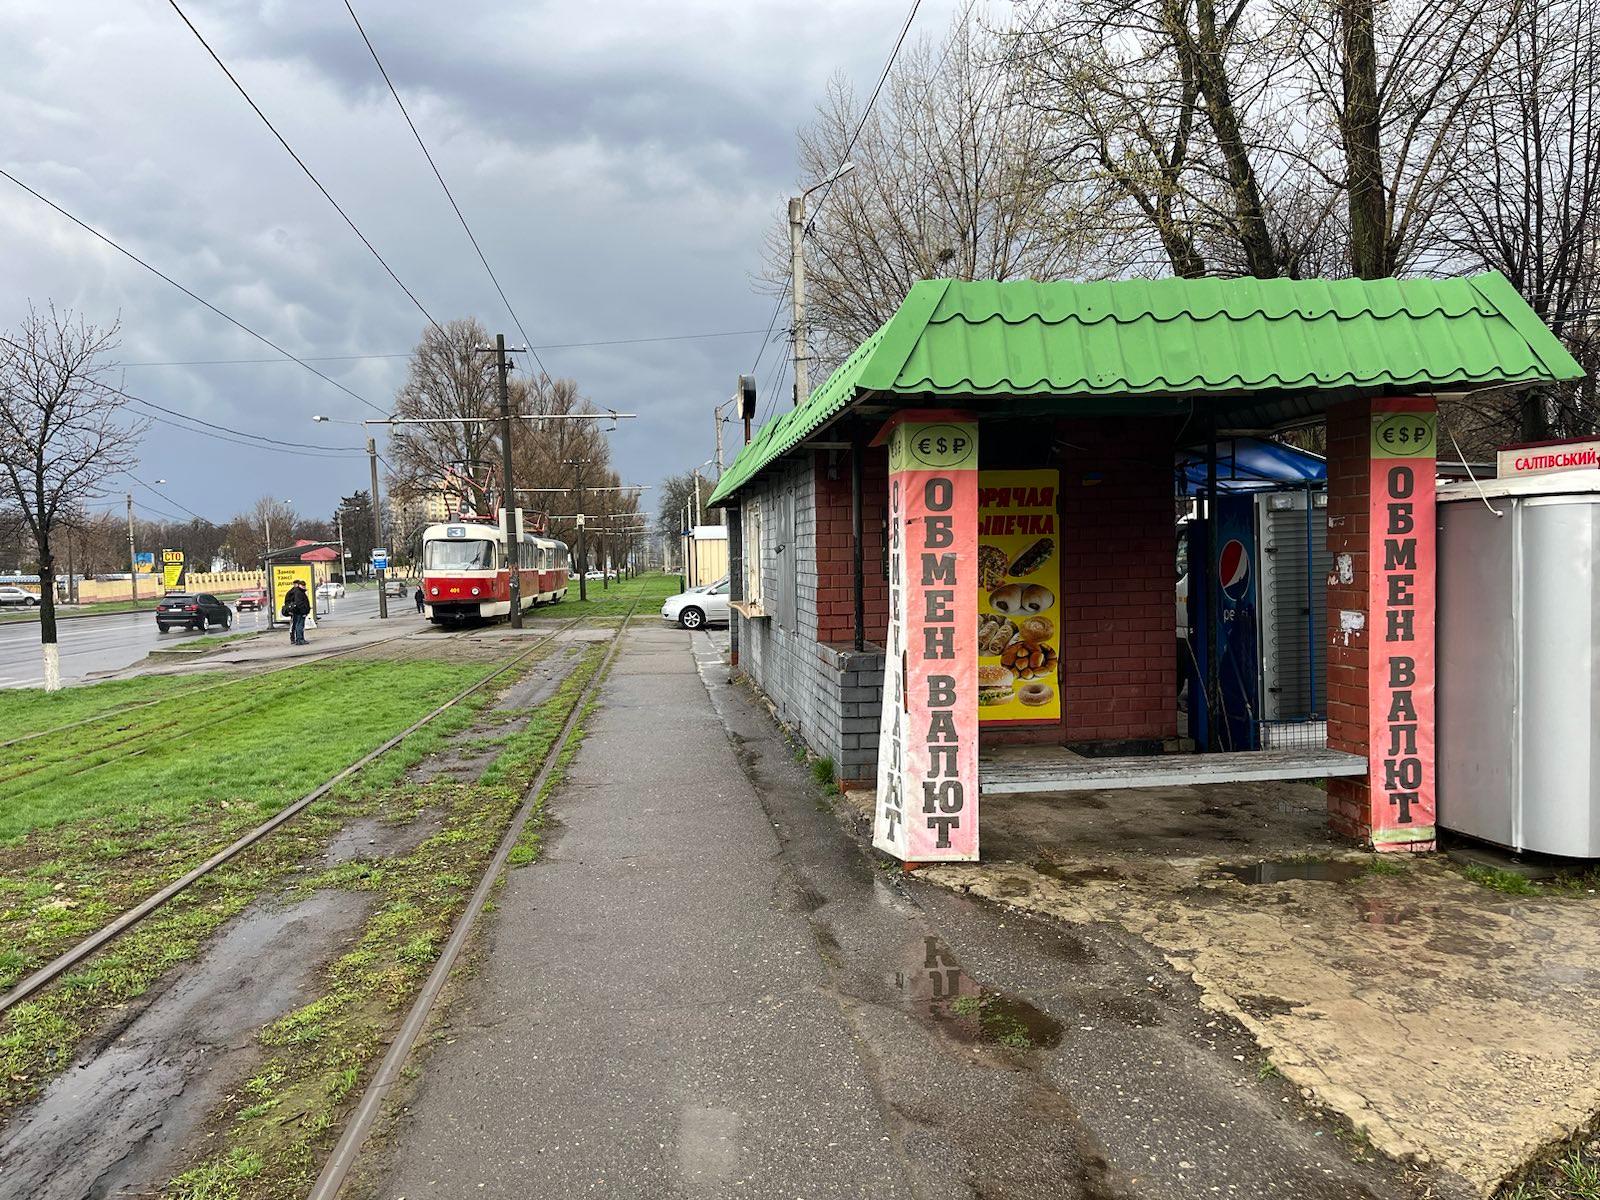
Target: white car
{"x":16,"y":595}
{"x":698,"y":606}
{"x":332,"y":588}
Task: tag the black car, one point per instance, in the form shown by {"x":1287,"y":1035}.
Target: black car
{"x":196,"y":611}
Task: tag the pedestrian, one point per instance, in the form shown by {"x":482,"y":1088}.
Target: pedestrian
{"x":295,"y":606}
{"x":417,"y":596}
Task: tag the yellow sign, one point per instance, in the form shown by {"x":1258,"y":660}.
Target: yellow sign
{"x":1019,"y":594}
{"x":933,"y":446}
{"x":283,"y":577}
{"x":172,"y":570}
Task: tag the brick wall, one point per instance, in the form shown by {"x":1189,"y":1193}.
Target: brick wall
{"x":1118,"y":576}
{"x":1349,"y":487}
{"x":835,"y":554}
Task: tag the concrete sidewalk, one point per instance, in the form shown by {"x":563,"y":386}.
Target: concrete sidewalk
{"x":652,"y":1017}
{"x":705,"y":989}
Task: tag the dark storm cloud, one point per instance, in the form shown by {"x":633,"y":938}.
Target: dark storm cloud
{"x":619,"y":163}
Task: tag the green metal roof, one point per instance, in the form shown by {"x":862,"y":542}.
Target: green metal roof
{"x":1169,"y":339}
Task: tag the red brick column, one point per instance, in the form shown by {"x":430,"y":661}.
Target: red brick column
{"x":1380,"y":620}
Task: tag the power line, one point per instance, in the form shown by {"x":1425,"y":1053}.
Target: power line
{"x":860,"y":125}
{"x":273,"y":443}
{"x":234,"y":321}
{"x":282,"y":141}
{"x":147,"y":487}
{"x":471,"y":237}
{"x":223,"y":362}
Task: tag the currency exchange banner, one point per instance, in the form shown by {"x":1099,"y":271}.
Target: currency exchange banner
{"x":1400,"y":624}
{"x":927,"y":800}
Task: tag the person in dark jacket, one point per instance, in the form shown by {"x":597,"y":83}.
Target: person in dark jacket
{"x":295,"y":606}
{"x":417,"y":596}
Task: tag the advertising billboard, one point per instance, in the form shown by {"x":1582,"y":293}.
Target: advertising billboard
{"x":1019,"y":589}
{"x":172,"y":570}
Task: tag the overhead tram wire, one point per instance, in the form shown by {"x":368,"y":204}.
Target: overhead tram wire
{"x":276,"y":444}
{"x":449,"y":195}
{"x":147,"y":487}
{"x":282,"y":141}
{"x":198,"y":299}
{"x":228,"y":362}
{"x":866,"y":113}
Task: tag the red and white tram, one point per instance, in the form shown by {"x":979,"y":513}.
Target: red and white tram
{"x":466,"y":571}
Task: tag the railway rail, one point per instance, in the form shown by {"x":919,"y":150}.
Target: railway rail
{"x":86,"y":948}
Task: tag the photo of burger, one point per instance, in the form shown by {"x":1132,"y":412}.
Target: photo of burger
{"x":995,"y":685}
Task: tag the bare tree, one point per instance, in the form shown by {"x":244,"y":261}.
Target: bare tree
{"x":63,"y":432}
{"x":951,"y":180}
{"x":1529,"y":206}
{"x":1270,"y":137}
{"x":449,"y":377}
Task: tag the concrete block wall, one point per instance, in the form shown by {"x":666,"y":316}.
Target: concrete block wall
{"x":828,"y":695}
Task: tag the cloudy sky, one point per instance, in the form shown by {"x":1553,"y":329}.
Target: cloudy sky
{"x":619,"y":163}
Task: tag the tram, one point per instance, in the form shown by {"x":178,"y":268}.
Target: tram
{"x":466,"y":571}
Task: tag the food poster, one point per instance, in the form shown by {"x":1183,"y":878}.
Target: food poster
{"x":1019,"y":576}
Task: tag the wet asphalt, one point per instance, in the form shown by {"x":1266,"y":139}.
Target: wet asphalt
{"x":707,"y":988}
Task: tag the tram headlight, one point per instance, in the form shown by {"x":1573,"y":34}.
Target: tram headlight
{"x":474,"y":591}
{"x":435,"y":591}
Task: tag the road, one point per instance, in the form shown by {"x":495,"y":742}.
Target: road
{"x":109,"y":643}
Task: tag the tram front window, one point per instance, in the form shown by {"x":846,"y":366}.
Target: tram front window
{"x":460,"y":556}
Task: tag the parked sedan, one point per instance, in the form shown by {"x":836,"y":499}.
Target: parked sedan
{"x":332,"y":588}
{"x":196,"y":610}
{"x":698,"y":606}
{"x":16,"y":595}
{"x":254,"y":600}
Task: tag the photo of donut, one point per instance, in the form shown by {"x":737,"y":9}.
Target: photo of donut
{"x":1035,"y":694}
{"x":1035,"y":598}
{"x":1009,"y":599}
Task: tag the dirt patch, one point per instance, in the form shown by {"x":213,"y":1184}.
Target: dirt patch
{"x":376,"y":838}
{"x":115,"y":1122}
{"x":1454,"y":1026}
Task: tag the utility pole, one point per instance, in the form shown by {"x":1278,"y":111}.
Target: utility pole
{"x":797,"y":282}
{"x":583,"y":561}
{"x":133,"y":565}
{"x":377,"y":525}
{"x":797,"y":296}
{"x":508,"y":488}
{"x":344,"y":577}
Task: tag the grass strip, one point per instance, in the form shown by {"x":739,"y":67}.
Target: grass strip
{"x":72,"y":895}
{"x":30,"y":710}
{"x":271,"y":1136}
{"x":617,"y":600}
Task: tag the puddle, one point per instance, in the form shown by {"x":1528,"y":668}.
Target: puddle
{"x":934,"y":988}
{"x":1322,"y":869}
{"x":116,"y":1122}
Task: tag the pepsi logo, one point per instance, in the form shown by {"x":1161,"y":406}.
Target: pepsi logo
{"x":1233,"y":570}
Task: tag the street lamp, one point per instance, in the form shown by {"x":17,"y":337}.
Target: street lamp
{"x":797,"y":288}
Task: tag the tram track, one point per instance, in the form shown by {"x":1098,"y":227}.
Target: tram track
{"x":82,"y":951}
